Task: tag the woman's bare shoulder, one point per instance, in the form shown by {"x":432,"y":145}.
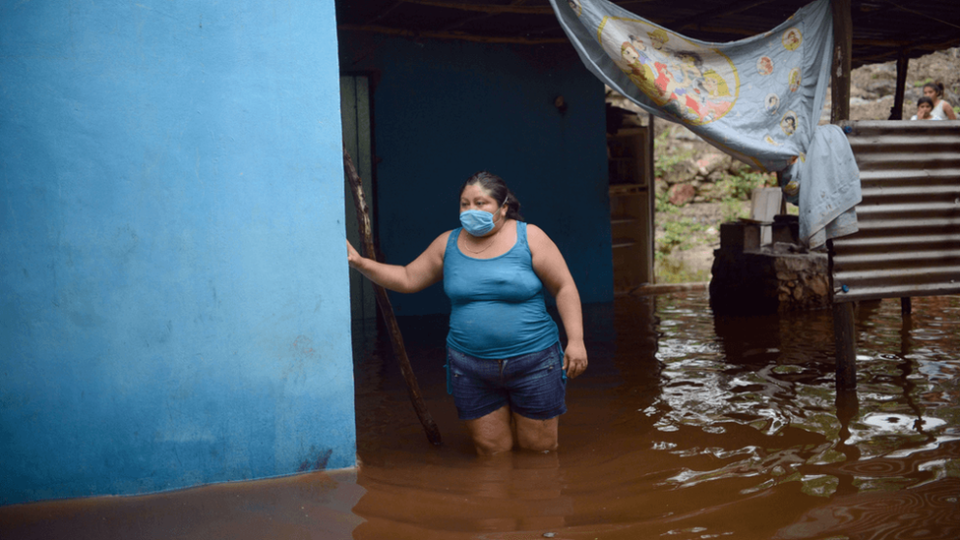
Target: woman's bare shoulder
{"x":439,"y":245}
{"x":537,"y":237}
{"x":535,"y":231}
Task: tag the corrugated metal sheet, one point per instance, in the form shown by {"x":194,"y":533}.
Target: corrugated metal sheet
{"x":909,"y":239}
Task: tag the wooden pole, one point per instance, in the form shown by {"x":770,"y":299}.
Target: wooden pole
{"x":844,"y":330}
{"x":896,"y":113}
{"x":386,"y":309}
{"x":844,"y":333}
{"x":845,"y":339}
{"x":843,"y":47}
{"x":906,"y":306}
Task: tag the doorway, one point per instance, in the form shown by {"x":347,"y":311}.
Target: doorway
{"x":357,"y":138}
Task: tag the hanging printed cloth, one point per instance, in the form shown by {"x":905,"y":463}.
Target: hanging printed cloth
{"x":757,"y":99}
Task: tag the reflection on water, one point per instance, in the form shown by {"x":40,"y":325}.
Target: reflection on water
{"x":691,"y":426}
{"x":685,"y":426}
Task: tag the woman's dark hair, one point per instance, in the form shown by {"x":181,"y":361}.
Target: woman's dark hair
{"x":496,"y":188}
{"x":937,"y":87}
{"x":926,"y":100}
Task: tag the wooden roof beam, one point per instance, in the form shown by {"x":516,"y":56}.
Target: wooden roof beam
{"x":719,"y":13}
{"x":461,"y":36}
{"x":474,"y":18}
{"x":494,"y":9}
{"x":385,"y":12}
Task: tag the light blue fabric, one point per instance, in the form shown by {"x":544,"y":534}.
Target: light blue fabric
{"x":831,"y":187}
{"x":758,"y":99}
{"x":497,"y":306}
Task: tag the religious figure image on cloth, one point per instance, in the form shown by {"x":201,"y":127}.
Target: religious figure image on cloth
{"x":695,"y":84}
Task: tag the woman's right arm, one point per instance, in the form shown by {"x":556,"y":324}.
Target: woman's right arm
{"x":424,"y":271}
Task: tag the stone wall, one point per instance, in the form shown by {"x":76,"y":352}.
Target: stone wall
{"x":753,"y":279}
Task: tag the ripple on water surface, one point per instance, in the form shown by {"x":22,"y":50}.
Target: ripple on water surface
{"x":685,"y":426}
{"x":691,"y":426}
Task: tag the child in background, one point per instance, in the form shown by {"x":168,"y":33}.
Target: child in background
{"x":924,"y":107}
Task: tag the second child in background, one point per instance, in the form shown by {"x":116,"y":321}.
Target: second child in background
{"x":924,"y":106}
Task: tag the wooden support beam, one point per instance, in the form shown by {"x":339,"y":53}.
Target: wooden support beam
{"x":385,"y":12}
{"x":843,"y":47}
{"x":490,"y":9}
{"x":844,"y":333}
{"x":906,"y":306}
{"x":718,"y":13}
{"x":845,"y":340}
{"x":474,"y":18}
{"x":926,"y":14}
{"x":494,"y":9}
{"x":896,"y":112}
{"x":459,"y":36}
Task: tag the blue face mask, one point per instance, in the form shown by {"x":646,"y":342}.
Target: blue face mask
{"x":477,"y":222}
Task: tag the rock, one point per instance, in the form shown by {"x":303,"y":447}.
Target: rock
{"x":819,"y":285}
{"x":681,"y":194}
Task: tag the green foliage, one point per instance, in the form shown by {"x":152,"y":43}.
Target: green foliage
{"x":662,"y":203}
{"x":732,"y":210}
{"x":739,"y":186}
{"x":678,"y":234}
{"x":664,"y":161}
{"x":918,"y":84}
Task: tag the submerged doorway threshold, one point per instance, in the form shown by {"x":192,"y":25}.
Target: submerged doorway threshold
{"x":664,"y":288}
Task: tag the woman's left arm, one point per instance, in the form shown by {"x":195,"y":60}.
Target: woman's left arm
{"x":552,"y":270}
{"x":948,"y":110}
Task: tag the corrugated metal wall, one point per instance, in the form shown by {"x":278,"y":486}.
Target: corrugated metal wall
{"x":909,"y":238}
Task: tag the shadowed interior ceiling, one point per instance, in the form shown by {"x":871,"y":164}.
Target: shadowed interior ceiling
{"x":882,"y":29}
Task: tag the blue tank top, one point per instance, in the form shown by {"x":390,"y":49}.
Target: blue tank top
{"x":497,"y":306}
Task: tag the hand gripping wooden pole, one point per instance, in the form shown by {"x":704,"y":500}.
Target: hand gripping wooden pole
{"x":386,"y":309}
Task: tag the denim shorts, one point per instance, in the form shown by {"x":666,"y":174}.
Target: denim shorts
{"x":533,"y":385}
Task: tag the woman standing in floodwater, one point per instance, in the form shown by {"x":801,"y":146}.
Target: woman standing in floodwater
{"x":504,"y":361}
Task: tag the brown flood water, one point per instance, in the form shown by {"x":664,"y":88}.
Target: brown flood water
{"x":684,"y":426}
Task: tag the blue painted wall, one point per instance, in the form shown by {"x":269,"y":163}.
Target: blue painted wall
{"x":174,"y":303}
{"x":444,"y":110}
